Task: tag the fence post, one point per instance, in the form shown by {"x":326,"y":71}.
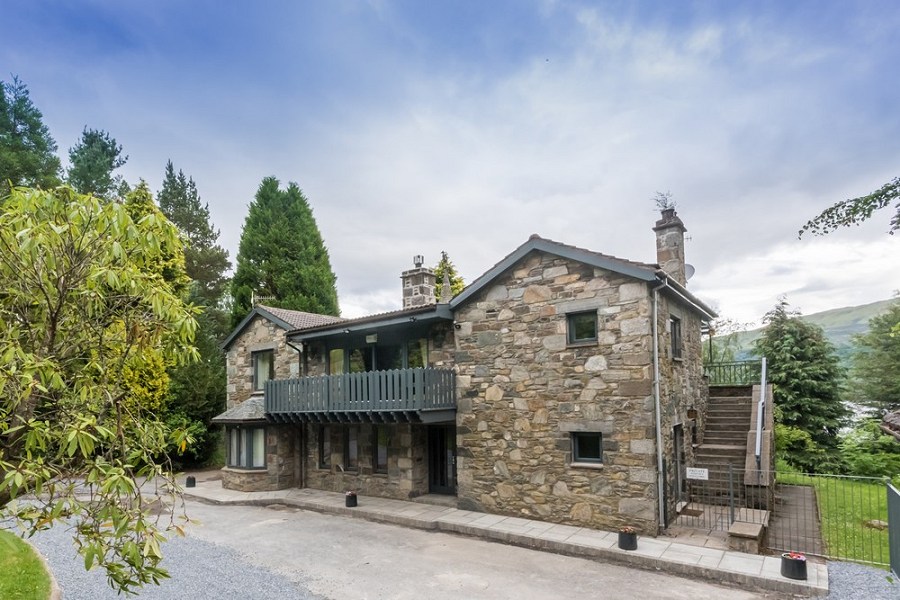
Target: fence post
{"x":731,"y":491}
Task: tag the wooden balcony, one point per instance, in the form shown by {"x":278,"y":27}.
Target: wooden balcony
{"x":422,"y":395}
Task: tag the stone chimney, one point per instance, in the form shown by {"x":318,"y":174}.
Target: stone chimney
{"x":418,"y":284}
{"x":670,"y":245}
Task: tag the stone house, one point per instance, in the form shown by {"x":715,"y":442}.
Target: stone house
{"x":563,"y":385}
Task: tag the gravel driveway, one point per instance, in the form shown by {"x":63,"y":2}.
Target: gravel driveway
{"x":199,"y":570}
{"x":264,"y":554}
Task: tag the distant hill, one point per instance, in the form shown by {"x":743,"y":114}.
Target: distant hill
{"x":839,"y":324}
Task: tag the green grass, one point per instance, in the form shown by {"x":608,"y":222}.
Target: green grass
{"x":22,"y":574}
{"x":845,"y":506}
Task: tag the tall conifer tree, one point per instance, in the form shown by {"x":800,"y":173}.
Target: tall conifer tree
{"x":205,"y":261}
{"x":197,"y":390}
{"x":282,"y":255}
{"x":27,"y":151}
{"x":805,"y":371}
{"x":93,"y":160}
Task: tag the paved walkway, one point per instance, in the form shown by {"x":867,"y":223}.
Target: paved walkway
{"x":796,"y":521}
{"x":713,"y":564}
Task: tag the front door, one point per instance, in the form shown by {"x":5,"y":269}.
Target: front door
{"x":442,"y":459}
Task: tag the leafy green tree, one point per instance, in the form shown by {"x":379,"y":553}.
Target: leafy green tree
{"x":93,"y":160}
{"x":805,"y":371}
{"x":445,"y":265}
{"x":876,"y":363}
{"x":282,"y":255}
{"x":206,"y":262}
{"x":869,"y":452}
{"x":82,"y":302}
{"x":27,"y":151}
{"x":856,"y":210}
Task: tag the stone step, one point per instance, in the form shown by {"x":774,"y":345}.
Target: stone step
{"x":728,"y":440}
{"x":729,"y":427}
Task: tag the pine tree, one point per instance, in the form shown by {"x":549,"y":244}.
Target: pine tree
{"x":445,"y":265}
{"x":197,"y":390}
{"x":804,"y":369}
{"x":27,"y":151}
{"x":876,"y":363}
{"x":205,"y":261}
{"x":93,"y":160}
{"x":282,"y":255}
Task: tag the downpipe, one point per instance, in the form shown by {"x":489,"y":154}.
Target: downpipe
{"x":660,"y":478}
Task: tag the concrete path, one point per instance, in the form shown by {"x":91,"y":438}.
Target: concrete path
{"x":795,"y":525}
{"x":659,"y":554}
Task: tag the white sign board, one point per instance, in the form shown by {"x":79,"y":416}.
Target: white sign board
{"x":694,"y":473}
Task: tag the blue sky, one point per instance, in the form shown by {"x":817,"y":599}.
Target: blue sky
{"x":416,"y":127}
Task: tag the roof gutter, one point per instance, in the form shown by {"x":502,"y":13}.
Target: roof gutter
{"x":684,"y":295}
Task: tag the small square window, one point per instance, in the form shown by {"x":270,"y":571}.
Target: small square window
{"x":263,"y":368}
{"x":582,"y":327}
{"x":675,"y":332}
{"x":587,"y":447}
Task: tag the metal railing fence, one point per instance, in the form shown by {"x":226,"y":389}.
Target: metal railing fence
{"x":835,"y":516}
{"x":743,"y":372}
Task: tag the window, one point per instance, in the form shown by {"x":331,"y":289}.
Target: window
{"x":324,"y":447}
{"x":351,"y":448}
{"x":336,"y":361}
{"x":587,"y":448}
{"x":417,"y":353}
{"x":247,"y":447}
{"x":582,"y":327}
{"x":380,"y":453}
{"x":263,"y":364}
{"x":675,"y":331}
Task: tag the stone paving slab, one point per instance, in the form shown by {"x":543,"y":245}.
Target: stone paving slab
{"x":677,"y":557}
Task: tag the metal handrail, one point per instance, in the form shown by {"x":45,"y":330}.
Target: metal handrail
{"x":760,"y":413}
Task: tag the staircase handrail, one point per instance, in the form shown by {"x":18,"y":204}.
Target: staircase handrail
{"x":760,"y":413}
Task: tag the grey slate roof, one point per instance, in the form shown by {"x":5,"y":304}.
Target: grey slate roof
{"x":288,"y":320}
{"x":251,"y":409}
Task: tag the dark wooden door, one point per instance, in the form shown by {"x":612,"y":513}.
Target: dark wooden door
{"x":442,"y":459}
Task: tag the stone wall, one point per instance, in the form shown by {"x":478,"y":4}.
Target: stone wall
{"x":281,"y":464}
{"x":682,"y":387}
{"x":260,"y":334}
{"x":407,"y":473}
{"x":523,"y":390}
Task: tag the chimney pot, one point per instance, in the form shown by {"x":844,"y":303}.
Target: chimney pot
{"x":670,"y":245}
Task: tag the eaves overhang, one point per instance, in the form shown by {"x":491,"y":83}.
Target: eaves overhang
{"x":425,"y":314}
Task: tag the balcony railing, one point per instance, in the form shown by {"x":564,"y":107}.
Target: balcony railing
{"x":395,"y":391}
{"x":744,"y":372}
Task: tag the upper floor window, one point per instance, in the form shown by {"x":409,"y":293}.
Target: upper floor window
{"x":581,"y":327}
{"x":263,"y":364}
{"x":675,"y":333}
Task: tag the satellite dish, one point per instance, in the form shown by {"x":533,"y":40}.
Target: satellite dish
{"x":689,"y":271}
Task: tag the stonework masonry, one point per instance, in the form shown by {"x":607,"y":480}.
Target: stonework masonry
{"x":260,"y":334}
{"x":523,"y":391}
{"x":281,"y":464}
